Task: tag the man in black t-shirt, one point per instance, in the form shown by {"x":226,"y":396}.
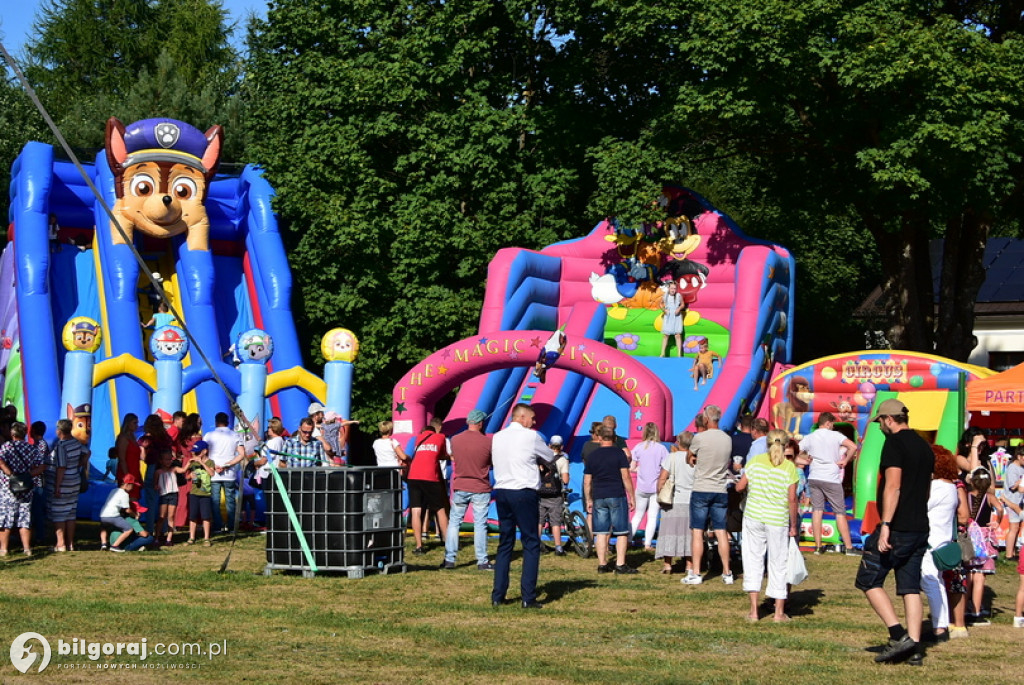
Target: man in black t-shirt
{"x":901,"y":539}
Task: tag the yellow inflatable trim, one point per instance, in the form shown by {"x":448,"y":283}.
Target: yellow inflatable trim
{"x":125,"y":364}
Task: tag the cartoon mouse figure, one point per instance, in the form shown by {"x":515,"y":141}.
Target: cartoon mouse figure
{"x":162,"y":168}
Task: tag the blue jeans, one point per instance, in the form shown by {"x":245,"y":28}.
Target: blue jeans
{"x":461,"y":500}
{"x":138,"y":542}
{"x":517,"y":509}
{"x":230,"y":489}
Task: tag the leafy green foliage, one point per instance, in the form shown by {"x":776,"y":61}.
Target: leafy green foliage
{"x":908,"y":116}
{"x":92,"y":59}
{"x":408,"y":143}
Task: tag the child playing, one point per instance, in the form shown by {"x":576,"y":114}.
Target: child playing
{"x":167,"y":490}
{"x":161,"y":317}
{"x":110,"y":472}
{"x":982,"y":502}
{"x":672,"y":306}
{"x":703,"y":364}
{"x":200,"y":499}
{"x":549,"y":354}
{"x":121,"y":513}
{"x":389,"y":451}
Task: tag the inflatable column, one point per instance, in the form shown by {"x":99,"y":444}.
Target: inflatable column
{"x":81,"y":337}
{"x":254,"y":349}
{"x":339,"y":348}
{"x":168,"y":345}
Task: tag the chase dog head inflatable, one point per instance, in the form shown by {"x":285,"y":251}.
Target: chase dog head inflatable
{"x":162,"y":168}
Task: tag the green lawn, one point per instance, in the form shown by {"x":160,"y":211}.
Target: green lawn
{"x":435,"y":626}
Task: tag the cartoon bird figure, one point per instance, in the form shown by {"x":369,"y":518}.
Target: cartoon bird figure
{"x":604,"y":289}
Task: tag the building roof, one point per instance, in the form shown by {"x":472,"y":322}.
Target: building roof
{"x":1002,"y":292}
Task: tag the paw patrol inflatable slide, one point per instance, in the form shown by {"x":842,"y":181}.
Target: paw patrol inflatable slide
{"x":212,"y":238}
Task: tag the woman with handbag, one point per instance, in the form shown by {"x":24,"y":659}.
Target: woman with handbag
{"x":770,"y":519}
{"x":943,"y":503}
{"x":20,"y":462}
{"x":675,"y":537}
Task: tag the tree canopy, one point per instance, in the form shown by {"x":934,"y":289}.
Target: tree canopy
{"x":92,"y":59}
{"x":907,"y":115}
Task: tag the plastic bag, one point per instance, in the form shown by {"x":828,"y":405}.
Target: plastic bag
{"x":796,"y":569}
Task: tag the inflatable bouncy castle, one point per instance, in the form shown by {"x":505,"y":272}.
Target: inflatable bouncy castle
{"x":214,"y":241}
{"x":849,"y":386}
{"x":576,"y":330}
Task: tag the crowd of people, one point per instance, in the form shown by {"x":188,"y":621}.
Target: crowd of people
{"x":739,"y":495}
{"x":169,"y":474}
{"x":686,"y":499}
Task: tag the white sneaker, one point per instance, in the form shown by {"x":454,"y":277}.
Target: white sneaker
{"x":692,"y":579}
{"x":1018,"y":621}
{"x":728,"y":579}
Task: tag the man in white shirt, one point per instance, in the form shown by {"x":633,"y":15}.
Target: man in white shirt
{"x":227,"y":452}
{"x":830,"y":451}
{"x":515,"y":453}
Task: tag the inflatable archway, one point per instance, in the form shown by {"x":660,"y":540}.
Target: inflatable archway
{"x":415,"y":394}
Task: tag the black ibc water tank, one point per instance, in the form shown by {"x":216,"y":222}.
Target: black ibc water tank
{"x":351,"y":518}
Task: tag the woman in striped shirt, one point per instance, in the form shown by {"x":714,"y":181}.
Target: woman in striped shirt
{"x":769,"y":520}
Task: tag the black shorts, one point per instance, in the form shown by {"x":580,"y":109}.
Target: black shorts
{"x":428,"y":494}
{"x":904,"y":558}
{"x":200,"y":508}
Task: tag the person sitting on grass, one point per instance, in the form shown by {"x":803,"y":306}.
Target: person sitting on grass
{"x":122,"y":514}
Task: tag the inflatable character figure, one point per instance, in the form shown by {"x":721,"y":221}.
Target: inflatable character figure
{"x":844,"y":409}
{"x":339,"y":345}
{"x":81,"y":422}
{"x":704,"y":363}
{"x":550,"y":353}
{"x":787,"y":415}
{"x":162,"y":168}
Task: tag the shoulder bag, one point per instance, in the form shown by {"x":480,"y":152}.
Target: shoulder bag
{"x":667,"y":492}
{"x":20,"y":483}
{"x":948,"y":555}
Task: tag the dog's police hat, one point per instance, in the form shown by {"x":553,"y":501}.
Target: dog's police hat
{"x":164,"y":140}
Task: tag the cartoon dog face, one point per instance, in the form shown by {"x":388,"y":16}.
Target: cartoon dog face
{"x":81,"y":422}
{"x":161,"y":171}
{"x":169,"y":342}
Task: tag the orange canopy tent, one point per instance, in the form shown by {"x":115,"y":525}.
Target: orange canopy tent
{"x":992,"y":401}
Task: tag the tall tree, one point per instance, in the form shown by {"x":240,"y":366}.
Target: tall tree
{"x":408,"y":142}
{"x":92,"y":59}
{"x":910,"y":115}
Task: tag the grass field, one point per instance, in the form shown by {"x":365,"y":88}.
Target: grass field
{"x":438,"y":626}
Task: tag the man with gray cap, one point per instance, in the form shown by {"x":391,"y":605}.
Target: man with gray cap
{"x":901,"y":539}
{"x":471,"y":484}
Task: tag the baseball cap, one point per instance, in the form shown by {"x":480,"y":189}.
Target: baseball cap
{"x":891,"y":407}
{"x":199,"y":446}
{"x":129,"y":479}
{"x":315,"y":407}
{"x":555,"y":440}
{"x":476,"y":416}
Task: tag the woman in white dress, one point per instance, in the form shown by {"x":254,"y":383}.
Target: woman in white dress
{"x":672,"y":320}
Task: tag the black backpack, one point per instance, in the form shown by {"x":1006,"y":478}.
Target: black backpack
{"x":550,"y":482}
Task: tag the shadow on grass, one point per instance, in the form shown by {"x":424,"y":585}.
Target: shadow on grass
{"x":802,"y":602}
{"x":554,"y":590}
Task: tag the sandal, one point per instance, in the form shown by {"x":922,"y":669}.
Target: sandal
{"x":667,"y":570}
{"x":191,"y":541}
{"x":60,"y":549}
